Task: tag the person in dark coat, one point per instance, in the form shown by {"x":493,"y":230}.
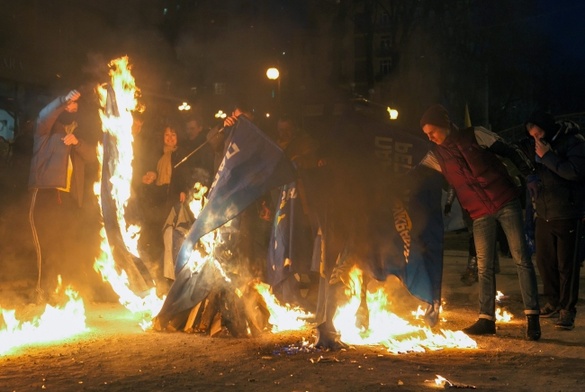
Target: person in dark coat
{"x":469,"y":160}
{"x":57,"y":181}
{"x":558,"y":152}
{"x":163,"y":186}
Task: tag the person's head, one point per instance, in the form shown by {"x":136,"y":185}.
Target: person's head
{"x":541,"y":125}
{"x":243,"y":108}
{"x":436,"y":124}
{"x":286,"y":129}
{"x":170,"y":137}
{"x":193,"y":127}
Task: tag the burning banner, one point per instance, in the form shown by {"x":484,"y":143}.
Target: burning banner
{"x":374,"y":216}
{"x":115,"y":176}
{"x":252,"y":165}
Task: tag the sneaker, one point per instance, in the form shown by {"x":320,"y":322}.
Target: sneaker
{"x":481,"y":327}
{"x":532,"y":327}
{"x":566,"y":320}
{"x":469,"y":277}
{"x":549,"y":311}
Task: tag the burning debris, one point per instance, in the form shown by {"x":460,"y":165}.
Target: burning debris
{"x":442,"y":382}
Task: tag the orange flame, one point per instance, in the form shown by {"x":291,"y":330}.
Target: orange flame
{"x":386,"y":328}
{"x":56,"y":323}
{"x":282,"y":318}
{"x":120,"y":128}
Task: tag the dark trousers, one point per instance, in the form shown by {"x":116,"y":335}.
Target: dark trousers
{"x":557,"y":250}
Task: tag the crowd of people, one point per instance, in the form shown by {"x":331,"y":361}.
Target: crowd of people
{"x":551,"y":161}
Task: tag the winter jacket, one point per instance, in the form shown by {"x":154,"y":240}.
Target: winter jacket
{"x":561,"y":172}
{"x":469,"y":160}
{"x":51,"y":156}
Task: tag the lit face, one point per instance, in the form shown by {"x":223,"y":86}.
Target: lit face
{"x":535,"y":131}
{"x":436,"y":134}
{"x":170,"y":137}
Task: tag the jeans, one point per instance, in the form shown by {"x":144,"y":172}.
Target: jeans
{"x":485,"y":233}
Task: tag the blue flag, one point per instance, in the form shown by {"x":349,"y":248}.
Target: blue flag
{"x":252,"y":165}
{"x":376,"y":207}
{"x":291,"y":238}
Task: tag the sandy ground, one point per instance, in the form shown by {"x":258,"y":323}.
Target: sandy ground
{"x":116,"y":355}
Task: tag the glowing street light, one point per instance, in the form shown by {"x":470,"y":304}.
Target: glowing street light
{"x":393,"y":113}
{"x":272,"y":73}
{"x":184,"y":107}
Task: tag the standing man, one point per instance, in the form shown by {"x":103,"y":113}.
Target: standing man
{"x":57,"y":177}
{"x":558,"y":150}
{"x":468,"y":158}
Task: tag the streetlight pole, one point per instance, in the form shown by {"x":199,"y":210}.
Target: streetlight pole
{"x":273,"y":74}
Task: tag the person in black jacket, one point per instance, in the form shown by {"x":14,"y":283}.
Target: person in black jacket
{"x":558,"y":151}
{"x":163,"y":186}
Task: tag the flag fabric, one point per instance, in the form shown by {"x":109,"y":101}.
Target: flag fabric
{"x":381,"y":209}
{"x":252,"y":165}
{"x":291,"y":238}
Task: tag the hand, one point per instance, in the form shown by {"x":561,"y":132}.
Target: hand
{"x":230,"y":121}
{"x":70,"y":139}
{"x":447,"y":209}
{"x":73,"y":95}
{"x":541,"y":147}
{"x":149,"y":177}
{"x":533,"y":185}
{"x":182,"y":197}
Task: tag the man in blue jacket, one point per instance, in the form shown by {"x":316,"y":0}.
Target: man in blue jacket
{"x":57,"y":176}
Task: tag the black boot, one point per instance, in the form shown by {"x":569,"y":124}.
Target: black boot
{"x":533,"y":327}
{"x":482,"y":327}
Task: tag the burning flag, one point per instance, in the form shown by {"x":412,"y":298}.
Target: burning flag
{"x":373,"y":215}
{"x":252,"y":165}
{"x":119,"y":263}
{"x":118,"y":99}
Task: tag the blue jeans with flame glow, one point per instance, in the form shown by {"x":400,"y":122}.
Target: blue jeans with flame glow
{"x":484,"y":233}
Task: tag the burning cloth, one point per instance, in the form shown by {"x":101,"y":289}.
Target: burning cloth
{"x":252,"y":165}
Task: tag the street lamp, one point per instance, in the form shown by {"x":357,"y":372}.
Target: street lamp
{"x":184,"y":107}
{"x":392,"y":113}
{"x":274,"y":74}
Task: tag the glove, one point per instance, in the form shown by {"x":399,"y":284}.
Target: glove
{"x":533,"y":185}
{"x":447,"y":209}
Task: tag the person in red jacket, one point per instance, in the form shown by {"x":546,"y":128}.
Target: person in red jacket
{"x":468,"y":159}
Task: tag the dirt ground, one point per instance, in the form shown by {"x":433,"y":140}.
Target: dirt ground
{"x":116,"y":355}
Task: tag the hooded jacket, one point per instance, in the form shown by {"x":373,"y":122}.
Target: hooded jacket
{"x":479,"y":177}
{"x":561,"y":172}
{"x":51,"y":156}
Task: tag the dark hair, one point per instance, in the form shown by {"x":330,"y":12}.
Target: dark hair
{"x":543,"y":120}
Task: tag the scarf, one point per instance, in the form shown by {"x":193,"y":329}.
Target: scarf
{"x":164,"y":166}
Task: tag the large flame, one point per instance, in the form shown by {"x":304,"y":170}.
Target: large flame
{"x":282,"y":317}
{"x":387,"y":329}
{"x":119,"y":126}
{"x":56,"y":323}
